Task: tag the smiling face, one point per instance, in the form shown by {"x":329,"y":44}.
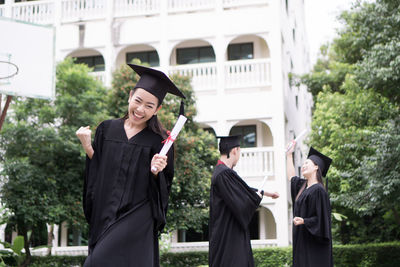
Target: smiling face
{"x":142,"y":106}
{"x":309,"y":168}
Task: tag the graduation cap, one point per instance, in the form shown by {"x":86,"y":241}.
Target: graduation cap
{"x":228,"y":142}
{"x":320,"y":159}
{"x":156,"y":83}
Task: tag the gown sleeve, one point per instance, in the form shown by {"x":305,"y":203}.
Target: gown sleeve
{"x":318,"y":224}
{"x":91,"y":172}
{"x":241,"y":200}
{"x":160,"y":190}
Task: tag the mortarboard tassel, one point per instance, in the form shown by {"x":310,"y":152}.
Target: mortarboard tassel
{"x":182,"y":109}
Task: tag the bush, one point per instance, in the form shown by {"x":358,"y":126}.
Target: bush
{"x":364,"y":255}
{"x":57,"y":261}
{"x":281,"y":256}
{"x":379,"y":254}
{"x":192,"y":259}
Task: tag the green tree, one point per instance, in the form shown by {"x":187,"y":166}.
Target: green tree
{"x":195,"y":150}
{"x":42,"y":159}
{"x":356,"y":94}
{"x":370,"y":40}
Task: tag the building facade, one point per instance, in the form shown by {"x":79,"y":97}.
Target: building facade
{"x":240,"y":55}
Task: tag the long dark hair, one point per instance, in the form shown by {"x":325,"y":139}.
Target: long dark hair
{"x":319,"y":175}
{"x":153,"y":123}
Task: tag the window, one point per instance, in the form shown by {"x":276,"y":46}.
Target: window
{"x":240,"y":51}
{"x":150,"y":57}
{"x":248,"y":133}
{"x":95,"y":62}
{"x":192,"y":236}
{"x":194,"y":55}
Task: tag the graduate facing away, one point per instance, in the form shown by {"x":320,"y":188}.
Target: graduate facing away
{"x":124,"y":198}
{"x":232,"y":206}
{"x":312,"y":238}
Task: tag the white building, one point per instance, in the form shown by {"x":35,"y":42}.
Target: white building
{"x":239,"y":54}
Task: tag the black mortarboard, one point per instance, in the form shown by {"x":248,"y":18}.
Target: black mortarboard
{"x":320,"y":159}
{"x":228,"y":142}
{"x":156,"y":83}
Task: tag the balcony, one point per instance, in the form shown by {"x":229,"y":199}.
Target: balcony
{"x":256,"y":162}
{"x":247,"y":73}
{"x":238,"y":74}
{"x":43,"y":12}
{"x":124,"y":8}
{"x":175,"y":6}
{"x":40,"y":12}
{"x":204,"y":75}
{"x":77,"y":10}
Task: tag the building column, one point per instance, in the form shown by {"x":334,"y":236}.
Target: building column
{"x":8,"y":8}
{"x":222,"y":127}
{"x":164,"y":51}
{"x":64,"y":235}
{"x":109,"y":51}
{"x":2,"y":234}
{"x":57,"y":29}
{"x":262,"y":222}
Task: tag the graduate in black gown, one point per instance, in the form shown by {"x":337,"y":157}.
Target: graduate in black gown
{"x":232,"y":206}
{"x":124,"y":199}
{"x":312,"y":238}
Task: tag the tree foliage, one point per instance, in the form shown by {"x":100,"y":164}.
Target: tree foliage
{"x":42,"y":159}
{"x":195,"y":150}
{"x":356,"y":94}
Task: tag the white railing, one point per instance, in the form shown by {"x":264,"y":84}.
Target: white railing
{"x":189,"y":5}
{"x":136,"y":7}
{"x":75,"y":10}
{"x":99,"y":75}
{"x":175,"y":247}
{"x":203,"y":246}
{"x":65,"y":251}
{"x":252,"y":72}
{"x":256,"y":162}
{"x":41,"y":12}
{"x":204,"y":75}
{"x":236,"y":3}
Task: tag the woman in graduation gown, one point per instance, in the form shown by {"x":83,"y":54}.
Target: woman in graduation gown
{"x":124,"y":199}
{"x":312,"y":238}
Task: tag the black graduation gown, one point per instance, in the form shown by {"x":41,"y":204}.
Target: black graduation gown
{"x":312,"y":241}
{"x":124,"y":204}
{"x":232,"y":206}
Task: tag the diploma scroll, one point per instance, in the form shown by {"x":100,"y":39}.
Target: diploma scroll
{"x":297,"y":139}
{"x":171,"y":138}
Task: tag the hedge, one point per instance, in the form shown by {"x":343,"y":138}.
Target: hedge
{"x":364,"y":255}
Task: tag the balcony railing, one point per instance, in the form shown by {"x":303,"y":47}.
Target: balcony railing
{"x":238,"y":74}
{"x":189,"y":5}
{"x":253,"y":72}
{"x":75,"y":10}
{"x":41,"y":12}
{"x":256,"y":162}
{"x":236,"y":3}
{"x":136,"y":7}
{"x":204,"y":76}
